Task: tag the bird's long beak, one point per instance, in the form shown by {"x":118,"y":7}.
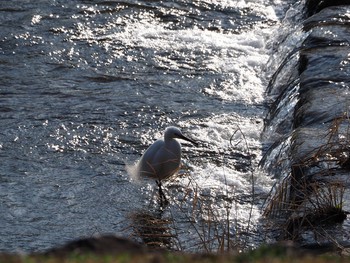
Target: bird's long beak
{"x":188,"y":139}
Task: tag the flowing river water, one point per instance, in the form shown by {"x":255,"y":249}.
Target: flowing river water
{"x":86,"y":86}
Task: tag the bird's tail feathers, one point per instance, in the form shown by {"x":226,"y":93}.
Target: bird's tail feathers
{"x":133,"y":172}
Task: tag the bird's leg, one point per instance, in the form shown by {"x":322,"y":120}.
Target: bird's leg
{"x":161,"y":194}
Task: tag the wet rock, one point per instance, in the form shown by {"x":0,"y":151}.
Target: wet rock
{"x":319,"y":156}
{"x":331,"y":16}
{"x":324,"y":93}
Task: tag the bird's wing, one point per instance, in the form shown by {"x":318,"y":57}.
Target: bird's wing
{"x":146,"y":165}
{"x":159,"y":161}
{"x":167,"y":160}
{"x":152,"y":151}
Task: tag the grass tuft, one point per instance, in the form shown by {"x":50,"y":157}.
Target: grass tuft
{"x":311,"y":196}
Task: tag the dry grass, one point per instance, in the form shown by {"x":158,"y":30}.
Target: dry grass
{"x":154,"y":230}
{"x":311,"y":195}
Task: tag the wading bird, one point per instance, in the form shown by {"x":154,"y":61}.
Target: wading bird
{"x":162,"y":159}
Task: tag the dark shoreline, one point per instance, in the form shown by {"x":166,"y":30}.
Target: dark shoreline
{"x":114,"y":249}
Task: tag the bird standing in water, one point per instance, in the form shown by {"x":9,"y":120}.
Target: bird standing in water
{"x":162,"y":159}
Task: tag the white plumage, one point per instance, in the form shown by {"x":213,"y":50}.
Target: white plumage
{"x":162,"y":159}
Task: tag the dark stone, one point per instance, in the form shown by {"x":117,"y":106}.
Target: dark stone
{"x":323,"y":217}
{"x":315,"y":6}
{"x":108,"y":244}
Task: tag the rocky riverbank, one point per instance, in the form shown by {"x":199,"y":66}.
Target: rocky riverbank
{"x":313,"y":139}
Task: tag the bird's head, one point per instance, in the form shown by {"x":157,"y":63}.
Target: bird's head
{"x":173,"y":133}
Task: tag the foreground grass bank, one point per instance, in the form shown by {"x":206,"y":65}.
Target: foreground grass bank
{"x":273,"y":254}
